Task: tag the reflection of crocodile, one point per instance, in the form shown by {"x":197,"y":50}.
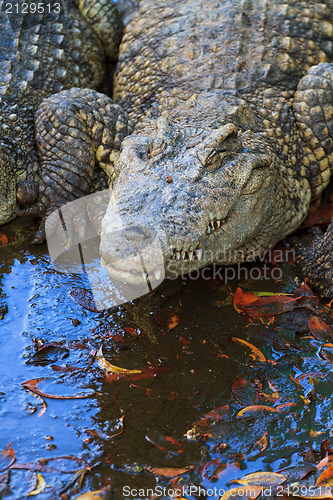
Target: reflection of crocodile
{"x":233,"y":105}
{"x":44,"y":48}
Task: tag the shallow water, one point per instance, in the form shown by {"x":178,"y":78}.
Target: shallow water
{"x":183,"y":339}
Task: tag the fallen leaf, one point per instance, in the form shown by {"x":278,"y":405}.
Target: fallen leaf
{"x":254,"y":306}
{"x":244,"y":391}
{"x":84,"y":298}
{"x":262,"y":443}
{"x":325,"y":461}
{"x":242,"y":492}
{"x":322,"y":215}
{"x":169,"y":472}
{"x":116,"y":430}
{"x":3,"y":240}
{"x":326,"y":477}
{"x":174,"y":321}
{"x":4,"y":480}
{"x":149,"y":372}
{"x":94,"y":495}
{"x":261,"y":479}
{"x":40,"y":486}
{"x":167,"y":444}
{"x":250,"y":411}
{"x":7,"y":458}
{"x":319,"y":328}
{"x":103,"y":363}
{"x":48,"y":354}
{"x":31,"y":385}
{"x":218,"y":414}
{"x":256,"y":354}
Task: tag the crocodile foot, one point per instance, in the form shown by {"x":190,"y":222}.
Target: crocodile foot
{"x":314,"y":259}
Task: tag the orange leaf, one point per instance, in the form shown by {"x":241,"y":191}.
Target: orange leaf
{"x":243,"y":299}
{"x":3,"y":240}
{"x":254,"y":409}
{"x":256,"y":354}
{"x":326,"y":476}
{"x":103,"y":363}
{"x":173,"y":322}
{"x":262,"y":443}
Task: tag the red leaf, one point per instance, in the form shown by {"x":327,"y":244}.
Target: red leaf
{"x":3,"y":240}
{"x":322,"y":215}
{"x":171,"y":445}
{"x":255,"y":306}
{"x":318,"y":327}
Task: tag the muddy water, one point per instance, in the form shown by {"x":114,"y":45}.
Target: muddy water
{"x":182,"y":338}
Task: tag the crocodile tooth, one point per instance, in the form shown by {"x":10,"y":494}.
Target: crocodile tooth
{"x":102,"y":262}
{"x":144,"y":277}
{"x":184,"y":255}
{"x":208,"y":230}
{"x":218,"y":222}
{"x":178,"y":255}
{"x":199,"y":254}
{"x":212,"y":225}
{"x":190,"y":255}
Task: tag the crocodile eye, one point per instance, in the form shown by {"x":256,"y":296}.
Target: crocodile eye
{"x":217,"y":159}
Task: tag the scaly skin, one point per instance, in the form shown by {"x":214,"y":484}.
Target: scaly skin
{"x":233,"y":106}
{"x":42,"y":54}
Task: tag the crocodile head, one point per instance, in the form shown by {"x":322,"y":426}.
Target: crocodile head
{"x":210,"y":195}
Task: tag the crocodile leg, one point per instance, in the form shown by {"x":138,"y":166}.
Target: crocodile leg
{"x":101,"y":14}
{"x":313,"y":106}
{"x":75,"y":130}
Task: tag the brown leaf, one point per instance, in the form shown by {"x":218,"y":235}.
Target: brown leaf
{"x":169,"y":472}
{"x":32,"y":384}
{"x":7,"y":458}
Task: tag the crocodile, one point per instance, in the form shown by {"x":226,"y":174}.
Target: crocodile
{"x":46,"y":48}
{"x":233,"y":106}
{"x":228,"y":117}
